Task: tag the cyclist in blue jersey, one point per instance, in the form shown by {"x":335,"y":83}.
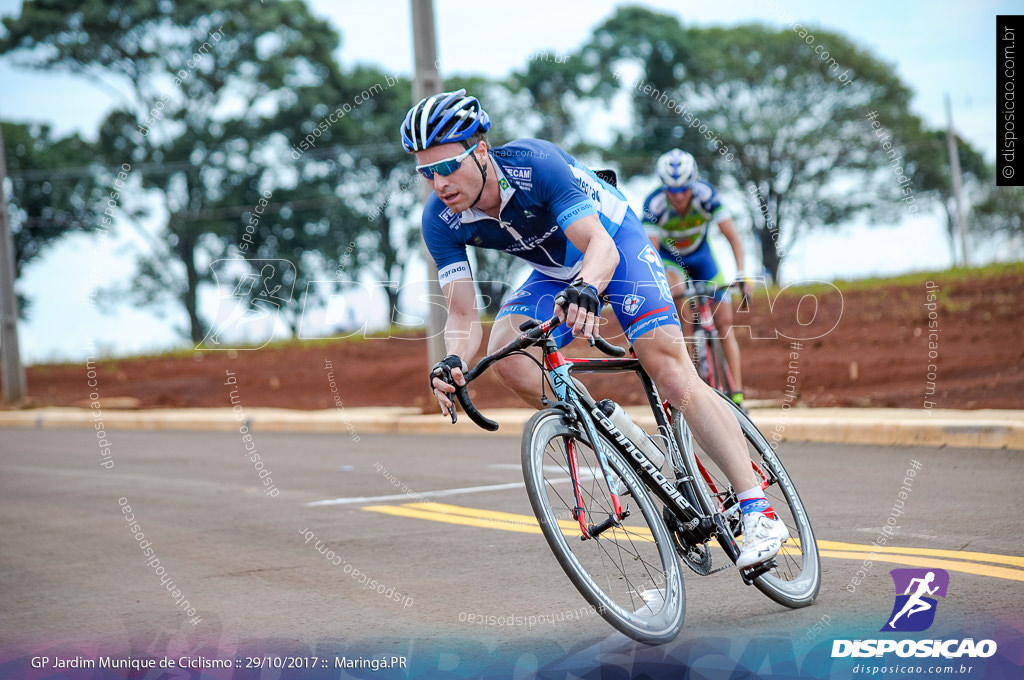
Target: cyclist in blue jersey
{"x":677,"y":217}
{"x":533,"y":200}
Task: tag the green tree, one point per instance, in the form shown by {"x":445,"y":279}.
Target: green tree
{"x":55,"y":191}
{"x":213,"y":97}
{"x":756,"y":105}
{"x":1000,"y":212}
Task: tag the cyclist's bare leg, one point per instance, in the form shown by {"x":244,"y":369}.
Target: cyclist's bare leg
{"x":516,"y":372}
{"x":714,"y":427}
{"x":723,"y":322}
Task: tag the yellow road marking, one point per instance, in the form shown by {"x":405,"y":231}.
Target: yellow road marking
{"x":488,"y":519}
{"x":407,"y":511}
{"x":950,"y":565}
{"x":1011,"y":560}
{"x":952,"y":560}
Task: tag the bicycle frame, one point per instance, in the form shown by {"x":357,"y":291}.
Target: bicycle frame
{"x":584,"y":410}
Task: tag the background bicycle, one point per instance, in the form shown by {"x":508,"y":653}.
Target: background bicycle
{"x":706,"y":347}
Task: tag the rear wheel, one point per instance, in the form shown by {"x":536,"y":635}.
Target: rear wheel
{"x":630,"y":573}
{"x":796,"y":578}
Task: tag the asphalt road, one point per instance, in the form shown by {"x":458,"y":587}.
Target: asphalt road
{"x":74,"y":579}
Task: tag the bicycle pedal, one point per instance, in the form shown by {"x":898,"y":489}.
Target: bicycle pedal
{"x":748,"y":575}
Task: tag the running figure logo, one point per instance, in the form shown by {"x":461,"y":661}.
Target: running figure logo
{"x":914,"y":610}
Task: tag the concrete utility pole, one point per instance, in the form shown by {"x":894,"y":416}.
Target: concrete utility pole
{"x":10,"y":357}
{"x":428,"y":81}
{"x":954,"y":166}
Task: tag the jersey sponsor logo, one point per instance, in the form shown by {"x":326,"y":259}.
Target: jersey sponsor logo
{"x":519,"y":174}
{"x":653,"y":261}
{"x":575,"y":212}
{"x":526,"y":310}
{"x":522,"y":176}
{"x":647,"y":324}
{"x":447,"y":216}
{"x":530,"y":242}
{"x":521,"y":293}
{"x":453,"y":272}
{"x":632,"y":303}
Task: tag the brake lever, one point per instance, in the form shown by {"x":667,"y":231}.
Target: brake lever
{"x":439,"y":374}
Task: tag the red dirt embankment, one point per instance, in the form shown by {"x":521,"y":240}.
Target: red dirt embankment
{"x":859,"y":347}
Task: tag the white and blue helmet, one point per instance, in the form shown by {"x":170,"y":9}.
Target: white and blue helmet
{"x":676,"y":169}
{"x":442,"y":118}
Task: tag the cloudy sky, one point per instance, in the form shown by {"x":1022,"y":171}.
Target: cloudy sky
{"x":937,"y":48}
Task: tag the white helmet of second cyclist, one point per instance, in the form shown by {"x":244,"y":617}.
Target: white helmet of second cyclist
{"x":676,"y":169}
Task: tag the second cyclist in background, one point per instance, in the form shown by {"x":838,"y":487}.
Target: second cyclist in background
{"x":677,"y":217}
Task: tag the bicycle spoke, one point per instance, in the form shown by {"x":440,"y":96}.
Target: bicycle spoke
{"x":796,"y":577}
{"x":626,"y":570}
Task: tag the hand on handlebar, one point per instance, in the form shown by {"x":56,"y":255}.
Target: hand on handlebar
{"x":747,"y":289}
{"x":579,"y":307}
{"x":444,"y":376}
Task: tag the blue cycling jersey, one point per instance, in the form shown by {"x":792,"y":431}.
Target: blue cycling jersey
{"x":543,"y":190}
{"x":683,"y":234}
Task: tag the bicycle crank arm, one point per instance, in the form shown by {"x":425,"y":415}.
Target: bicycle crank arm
{"x":597,"y":530}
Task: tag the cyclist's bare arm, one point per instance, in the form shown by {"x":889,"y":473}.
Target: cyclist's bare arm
{"x":600,"y":258}
{"x":728,"y":229}
{"x":462,"y":334}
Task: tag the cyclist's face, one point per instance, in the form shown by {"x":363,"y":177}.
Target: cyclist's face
{"x":680,"y":202}
{"x":459,"y":189}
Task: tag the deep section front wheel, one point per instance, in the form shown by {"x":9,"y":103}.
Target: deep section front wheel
{"x":630,"y":572}
{"x":796,"y":578}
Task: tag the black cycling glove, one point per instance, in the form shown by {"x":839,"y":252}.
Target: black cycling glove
{"x":443,"y":369}
{"x":581,"y":293}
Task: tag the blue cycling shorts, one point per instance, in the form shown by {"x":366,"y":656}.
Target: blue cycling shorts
{"x":700,"y":265}
{"x":638,"y":292}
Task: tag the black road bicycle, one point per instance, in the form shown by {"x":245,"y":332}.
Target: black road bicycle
{"x":623,"y":552}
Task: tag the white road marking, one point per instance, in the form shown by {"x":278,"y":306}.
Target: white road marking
{"x":876,"y":530}
{"x":418,"y":494}
{"x":434,"y":494}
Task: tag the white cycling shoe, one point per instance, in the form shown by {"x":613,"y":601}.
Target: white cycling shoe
{"x":762,"y":539}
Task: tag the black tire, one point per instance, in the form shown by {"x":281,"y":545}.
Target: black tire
{"x":796,"y":579}
{"x":699,"y":354}
{"x":630,"y":574}
{"x":720,"y":369}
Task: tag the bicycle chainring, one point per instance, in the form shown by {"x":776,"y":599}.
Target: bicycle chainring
{"x":697,"y":555}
